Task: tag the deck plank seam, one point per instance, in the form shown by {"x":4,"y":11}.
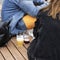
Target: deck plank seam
{"x":2,"y":55}
{"x":11,"y":53}
{"x":18,"y":50}
{"x":25,"y":47}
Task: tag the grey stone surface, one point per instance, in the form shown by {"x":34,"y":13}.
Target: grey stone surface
{"x":1,"y":1}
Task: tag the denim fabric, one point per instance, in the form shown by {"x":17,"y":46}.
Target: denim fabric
{"x":11,"y":7}
{"x":21,"y":24}
{"x":13,"y":29}
{"x":38,"y":2}
{"x":17,"y":9}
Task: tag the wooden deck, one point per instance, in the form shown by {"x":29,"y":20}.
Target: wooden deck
{"x":12,"y":52}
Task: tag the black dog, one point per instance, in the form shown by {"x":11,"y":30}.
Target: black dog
{"x":46,"y":45}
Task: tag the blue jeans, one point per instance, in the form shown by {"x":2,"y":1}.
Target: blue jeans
{"x":15,"y":10}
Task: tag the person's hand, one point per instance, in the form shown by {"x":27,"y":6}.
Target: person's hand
{"x":44,"y":5}
{"x":38,"y":2}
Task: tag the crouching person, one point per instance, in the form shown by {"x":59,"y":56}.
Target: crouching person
{"x":20,"y":13}
{"x":19,"y":16}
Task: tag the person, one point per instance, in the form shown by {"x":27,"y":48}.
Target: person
{"x":46,"y":45}
{"x":13,"y":11}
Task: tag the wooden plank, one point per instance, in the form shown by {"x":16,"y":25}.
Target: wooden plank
{"x":6,"y":53}
{"x":1,"y":57}
{"x":26,"y":45}
{"x":14,"y":51}
{"x":22,"y":49}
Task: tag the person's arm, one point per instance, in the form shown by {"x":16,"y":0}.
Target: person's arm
{"x":28,"y":6}
{"x":38,"y":2}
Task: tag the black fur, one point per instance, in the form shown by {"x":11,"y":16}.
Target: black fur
{"x":4,"y":33}
{"x":46,"y":45}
